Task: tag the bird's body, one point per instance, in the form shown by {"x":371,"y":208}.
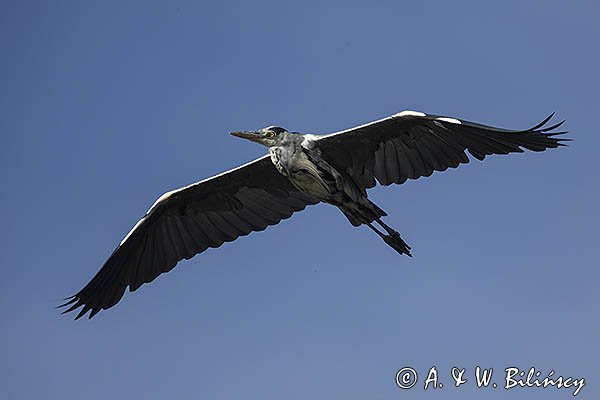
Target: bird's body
{"x":292,"y":159}
{"x":300,"y":159}
{"x":299,"y":170}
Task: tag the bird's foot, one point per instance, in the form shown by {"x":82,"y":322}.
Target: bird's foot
{"x":395,"y":242}
{"x":392,"y":239}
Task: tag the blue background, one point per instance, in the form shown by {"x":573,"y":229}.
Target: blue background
{"x":107,"y":105}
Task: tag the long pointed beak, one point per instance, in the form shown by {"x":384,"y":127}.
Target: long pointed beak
{"x":250,"y":135}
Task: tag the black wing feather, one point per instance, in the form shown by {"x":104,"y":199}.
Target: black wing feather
{"x":187,"y":221}
{"x":412,"y":145}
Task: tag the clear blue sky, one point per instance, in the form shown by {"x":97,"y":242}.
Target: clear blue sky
{"x":107,"y":105}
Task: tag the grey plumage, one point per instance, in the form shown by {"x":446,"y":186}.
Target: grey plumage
{"x":300,"y":170}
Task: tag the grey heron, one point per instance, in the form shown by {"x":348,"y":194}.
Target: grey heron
{"x":299,"y":170}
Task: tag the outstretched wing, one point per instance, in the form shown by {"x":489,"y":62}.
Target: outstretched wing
{"x":186,"y":222}
{"x":411,"y":144}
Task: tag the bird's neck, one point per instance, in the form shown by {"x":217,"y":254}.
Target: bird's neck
{"x":284,"y":154}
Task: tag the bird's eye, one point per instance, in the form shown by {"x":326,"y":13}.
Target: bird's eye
{"x":270,"y":134}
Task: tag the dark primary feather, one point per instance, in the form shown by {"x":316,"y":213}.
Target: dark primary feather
{"x":409,"y":146}
{"x":188,"y":221}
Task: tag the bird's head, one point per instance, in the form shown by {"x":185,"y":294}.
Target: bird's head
{"x":269,"y":136}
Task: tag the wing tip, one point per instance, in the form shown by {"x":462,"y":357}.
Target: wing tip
{"x":67,"y":301}
{"x":541,"y":124}
{"x":541,"y":128}
{"x":549,"y":133}
{"x":75,"y":302}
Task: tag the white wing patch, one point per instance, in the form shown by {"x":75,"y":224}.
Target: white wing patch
{"x":161,"y":198}
{"x":308,"y":138}
{"x":450,"y":120}
{"x":132,"y":230}
{"x":406,"y":113}
{"x":409,"y":113}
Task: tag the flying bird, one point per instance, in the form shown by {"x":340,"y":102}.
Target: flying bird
{"x":299,"y":170}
